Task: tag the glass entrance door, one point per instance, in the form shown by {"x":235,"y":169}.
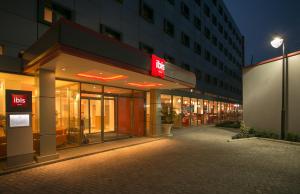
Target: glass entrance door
{"x":91,"y":120}
{"x":110,"y":130}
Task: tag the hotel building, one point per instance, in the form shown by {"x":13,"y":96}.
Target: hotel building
{"x":77,"y":72}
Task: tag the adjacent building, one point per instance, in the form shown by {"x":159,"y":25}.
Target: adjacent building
{"x":93,"y":71}
{"x":262,"y":95}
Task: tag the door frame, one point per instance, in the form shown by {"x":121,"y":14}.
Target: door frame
{"x":102,"y":100}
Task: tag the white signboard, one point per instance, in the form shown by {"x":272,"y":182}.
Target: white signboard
{"x":19,"y":120}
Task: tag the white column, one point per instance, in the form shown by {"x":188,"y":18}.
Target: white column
{"x":46,"y":115}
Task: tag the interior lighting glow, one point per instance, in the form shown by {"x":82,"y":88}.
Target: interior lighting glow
{"x":144,"y":84}
{"x":101,"y":78}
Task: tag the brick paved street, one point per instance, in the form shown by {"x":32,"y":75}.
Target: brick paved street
{"x":198,"y":160}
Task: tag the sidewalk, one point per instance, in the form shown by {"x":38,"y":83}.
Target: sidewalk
{"x":81,"y":151}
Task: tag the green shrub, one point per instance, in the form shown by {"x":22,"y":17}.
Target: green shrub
{"x":292,"y":137}
{"x":229,"y":124}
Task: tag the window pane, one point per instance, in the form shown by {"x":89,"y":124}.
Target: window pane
{"x":48,"y":14}
{"x":177,"y":100}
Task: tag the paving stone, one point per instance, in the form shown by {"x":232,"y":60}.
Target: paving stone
{"x":195,"y":160}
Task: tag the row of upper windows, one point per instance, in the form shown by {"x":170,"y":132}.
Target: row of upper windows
{"x":169,"y":28}
{"x":55,"y":12}
{"x":185,"y":11}
{"x":209,"y":79}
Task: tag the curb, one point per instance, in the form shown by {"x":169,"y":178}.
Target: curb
{"x":26,"y":167}
{"x":241,"y":139}
{"x":279,"y":141}
{"x":266,"y":139}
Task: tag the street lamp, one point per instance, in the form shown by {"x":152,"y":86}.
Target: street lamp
{"x":276,"y":43}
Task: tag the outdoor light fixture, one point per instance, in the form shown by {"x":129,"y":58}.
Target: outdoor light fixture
{"x":276,"y":43}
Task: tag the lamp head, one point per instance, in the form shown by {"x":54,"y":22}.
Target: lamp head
{"x":277,"y":42}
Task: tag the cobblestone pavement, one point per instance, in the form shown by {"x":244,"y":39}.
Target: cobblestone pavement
{"x":197,"y":160}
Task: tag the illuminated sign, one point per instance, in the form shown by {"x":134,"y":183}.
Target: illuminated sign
{"x":157,"y":66}
{"x":18,"y":101}
{"x":19,"y":120}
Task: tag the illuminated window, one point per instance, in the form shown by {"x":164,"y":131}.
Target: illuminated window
{"x":48,"y":14}
{"x":1,"y":50}
{"x":53,"y":12}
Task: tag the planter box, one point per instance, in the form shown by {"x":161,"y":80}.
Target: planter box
{"x":166,"y":129}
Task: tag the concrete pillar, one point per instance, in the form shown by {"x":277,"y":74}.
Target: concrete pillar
{"x":155,"y":113}
{"x":46,"y":115}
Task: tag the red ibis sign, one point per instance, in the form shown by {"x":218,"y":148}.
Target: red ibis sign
{"x":18,"y":100}
{"x":157,"y":66}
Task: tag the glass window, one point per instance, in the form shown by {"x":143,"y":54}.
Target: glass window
{"x":185,"y":11}
{"x":197,"y":48}
{"x":206,"y":10}
{"x":207,"y":33}
{"x":169,"y":28}
{"x":177,"y":101}
{"x":67,"y":103}
{"x":185,"y":39}
{"x":200,"y":111}
{"x":205,"y":111}
{"x":147,"y":13}
{"x":166,"y":108}
{"x":1,"y":50}
{"x":148,"y":113}
{"x":48,"y":14}
{"x":186,"y":111}
{"x":145,"y":48}
{"x":194,"y":112}
{"x":109,"y":32}
{"x":169,"y":58}
{"x":197,"y":23}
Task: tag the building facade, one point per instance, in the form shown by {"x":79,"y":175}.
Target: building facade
{"x":262,"y":95}
{"x":112,"y":69}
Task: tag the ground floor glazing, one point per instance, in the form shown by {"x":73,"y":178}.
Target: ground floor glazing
{"x":91,"y":113}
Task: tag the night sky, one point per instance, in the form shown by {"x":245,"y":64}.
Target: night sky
{"x":260,"y":20}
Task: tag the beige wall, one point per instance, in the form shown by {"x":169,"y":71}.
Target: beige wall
{"x":294,"y":94}
{"x":262,"y":96}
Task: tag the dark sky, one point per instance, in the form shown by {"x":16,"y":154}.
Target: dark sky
{"x":260,"y":20}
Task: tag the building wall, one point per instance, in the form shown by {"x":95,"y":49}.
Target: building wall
{"x":294,"y":94}
{"x":21,"y":29}
{"x":262,"y":96}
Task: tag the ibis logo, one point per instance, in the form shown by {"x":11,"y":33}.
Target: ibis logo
{"x":158,"y":66}
{"x":18,"y":100}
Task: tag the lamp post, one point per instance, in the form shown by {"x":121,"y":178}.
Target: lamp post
{"x":276,"y":43}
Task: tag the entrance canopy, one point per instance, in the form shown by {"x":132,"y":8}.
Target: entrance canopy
{"x":80,"y":54}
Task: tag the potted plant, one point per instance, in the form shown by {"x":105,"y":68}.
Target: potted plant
{"x":167,"y":120}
